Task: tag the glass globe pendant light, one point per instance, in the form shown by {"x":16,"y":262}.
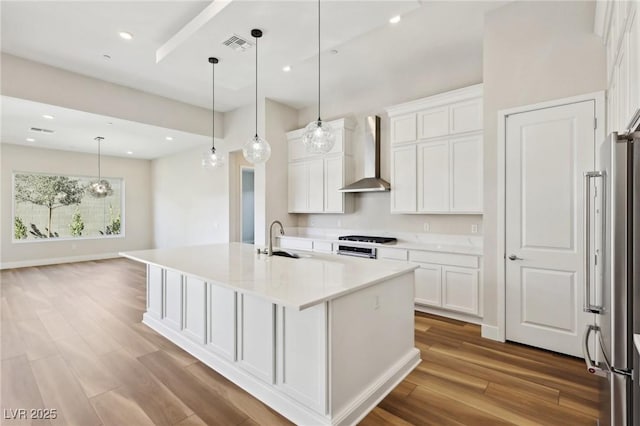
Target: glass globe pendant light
{"x":99,"y":188}
{"x":318,"y":137}
{"x":211,"y":158}
{"x":256,"y":150}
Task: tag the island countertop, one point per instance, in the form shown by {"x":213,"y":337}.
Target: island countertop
{"x":297,"y":283}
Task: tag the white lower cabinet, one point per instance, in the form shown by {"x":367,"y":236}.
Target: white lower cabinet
{"x":256,"y":336}
{"x":172,"y":310}
{"x":429,"y":285}
{"x":195,"y":322}
{"x":460,"y":289}
{"x":154,"y":291}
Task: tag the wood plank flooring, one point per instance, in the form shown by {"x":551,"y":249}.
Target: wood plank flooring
{"x":72,"y":340}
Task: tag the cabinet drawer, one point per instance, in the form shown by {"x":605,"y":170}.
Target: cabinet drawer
{"x":296,"y":244}
{"x":323,"y":246}
{"x":444,"y":258}
{"x":392,"y":254}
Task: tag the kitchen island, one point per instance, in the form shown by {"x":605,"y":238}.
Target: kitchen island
{"x":320,"y":339}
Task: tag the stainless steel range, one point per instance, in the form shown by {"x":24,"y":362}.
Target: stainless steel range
{"x":362,"y":251}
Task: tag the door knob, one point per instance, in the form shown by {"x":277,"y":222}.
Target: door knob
{"x":514,"y":257}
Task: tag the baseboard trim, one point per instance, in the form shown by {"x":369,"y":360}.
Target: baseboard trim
{"x":57,"y":260}
{"x":449,"y":314}
{"x":491,"y":332}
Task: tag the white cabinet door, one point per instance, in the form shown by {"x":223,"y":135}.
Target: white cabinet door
{"x":195,"y":309}
{"x":333,"y":181}
{"x":256,"y":348}
{"x":429,"y":285}
{"x":154,"y":291}
{"x":298,"y":187}
{"x":316,"y":185}
{"x":403,"y":179}
{"x":460,"y":289}
{"x":466,"y":116}
{"x":173,"y":299}
{"x":433,"y":122}
{"x":296,"y":149}
{"x":433,"y":177}
{"x":403,"y":128}
{"x":466,"y":174}
{"x":222,"y":321}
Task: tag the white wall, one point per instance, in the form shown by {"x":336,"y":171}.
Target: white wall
{"x":533,"y":52}
{"x":137,"y":209}
{"x":190,"y":204}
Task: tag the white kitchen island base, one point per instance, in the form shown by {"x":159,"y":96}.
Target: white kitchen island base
{"x":324,"y":363}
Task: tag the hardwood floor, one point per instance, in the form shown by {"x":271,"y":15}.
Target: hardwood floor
{"x":72,"y":341}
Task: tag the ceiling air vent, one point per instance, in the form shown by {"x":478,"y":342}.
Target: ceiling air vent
{"x":39,"y":130}
{"x":237,"y":43}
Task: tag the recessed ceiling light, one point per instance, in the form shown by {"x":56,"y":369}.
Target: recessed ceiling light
{"x":106,"y":56}
{"x":395,"y":19}
{"x":125,"y":35}
{"x":334,"y":52}
{"x":169,"y":138}
{"x":47,"y":116}
{"x":129,"y":152}
{"x":31,"y":140}
{"x":286,"y":68}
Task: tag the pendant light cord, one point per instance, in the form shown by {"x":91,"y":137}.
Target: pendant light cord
{"x":319,"y":119}
{"x":99,"y":139}
{"x":256,"y":87}
{"x":213,"y":106}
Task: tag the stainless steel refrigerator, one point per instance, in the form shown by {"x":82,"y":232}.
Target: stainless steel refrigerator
{"x":612,"y":275}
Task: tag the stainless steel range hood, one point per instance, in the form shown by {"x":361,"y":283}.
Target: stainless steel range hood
{"x":371,"y":181}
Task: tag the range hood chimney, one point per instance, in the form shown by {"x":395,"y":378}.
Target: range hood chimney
{"x":371,"y":181}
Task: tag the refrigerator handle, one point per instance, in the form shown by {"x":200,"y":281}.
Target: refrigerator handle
{"x":592,"y":367}
{"x":588,"y":306}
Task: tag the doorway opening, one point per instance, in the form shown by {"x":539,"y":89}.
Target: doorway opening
{"x":247,"y":203}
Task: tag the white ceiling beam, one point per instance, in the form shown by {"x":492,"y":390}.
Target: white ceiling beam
{"x":191,"y":28}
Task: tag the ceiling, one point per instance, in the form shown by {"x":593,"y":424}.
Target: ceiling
{"x":372,"y":56}
{"x":75,"y":35}
{"x":76,"y":130}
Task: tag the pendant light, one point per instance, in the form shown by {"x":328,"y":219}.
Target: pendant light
{"x":256,"y":150}
{"x":211,"y":158}
{"x":99,"y":188}
{"x":318,"y":136}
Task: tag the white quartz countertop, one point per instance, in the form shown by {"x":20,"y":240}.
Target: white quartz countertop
{"x":406,"y":245}
{"x":298,"y":283}
{"x":636,"y":340}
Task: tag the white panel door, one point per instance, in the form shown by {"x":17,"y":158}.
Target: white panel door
{"x":195,"y":309}
{"x":466,"y":174}
{"x":547,"y":152}
{"x":433,"y":177}
{"x":429,"y":284}
{"x":256,"y":349}
{"x":298,"y":187}
{"x":316,"y":185}
{"x":333,"y":181}
{"x":173,"y":299}
{"x":222,"y":321}
{"x":403,"y":179}
{"x":154,"y":291}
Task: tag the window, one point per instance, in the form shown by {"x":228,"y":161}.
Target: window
{"x":50,"y":207}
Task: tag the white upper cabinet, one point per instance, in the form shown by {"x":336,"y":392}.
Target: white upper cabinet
{"x":444,"y":133}
{"x":617,"y":22}
{"x":314,"y":180}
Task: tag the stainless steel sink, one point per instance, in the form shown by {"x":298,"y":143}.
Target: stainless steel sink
{"x":285,"y":254}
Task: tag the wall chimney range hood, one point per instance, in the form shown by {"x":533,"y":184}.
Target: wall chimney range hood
{"x":371,"y":181}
